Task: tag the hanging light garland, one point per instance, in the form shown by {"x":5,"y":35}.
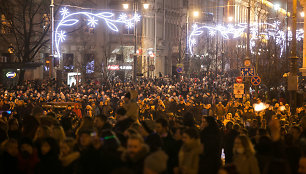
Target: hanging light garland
{"x":71,"y":19}
{"x":271,"y":31}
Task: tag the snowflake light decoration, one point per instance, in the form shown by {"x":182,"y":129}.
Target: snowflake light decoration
{"x":61,"y":36}
{"x":71,"y":19}
{"x":130,"y":24}
{"x":64,"y":12}
{"x":92,"y":22}
{"x":123,"y":17}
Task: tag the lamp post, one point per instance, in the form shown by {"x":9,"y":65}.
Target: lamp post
{"x":293,"y":78}
{"x":195,"y":14}
{"x":303,"y":69}
{"x":248,"y":51}
{"x":52,"y":39}
{"x":135,"y":9}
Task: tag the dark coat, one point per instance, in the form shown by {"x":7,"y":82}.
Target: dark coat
{"x":210,"y":161}
{"x":229,"y":139}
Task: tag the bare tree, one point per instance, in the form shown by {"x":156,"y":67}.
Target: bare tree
{"x":26,"y":27}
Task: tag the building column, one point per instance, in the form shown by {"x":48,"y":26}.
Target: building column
{"x":303,"y":69}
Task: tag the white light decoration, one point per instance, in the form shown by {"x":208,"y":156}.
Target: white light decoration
{"x":64,"y":11}
{"x":61,"y":36}
{"x":72,"y":19}
{"x":272,"y":31}
{"x":92,"y":22}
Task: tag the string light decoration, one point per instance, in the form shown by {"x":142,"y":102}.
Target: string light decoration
{"x":71,"y":19}
{"x":271,"y":31}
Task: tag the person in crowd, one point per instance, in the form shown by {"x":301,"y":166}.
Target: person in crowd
{"x":9,"y":160}
{"x":232,"y":132}
{"x":244,"y":156}
{"x":48,"y":150}
{"x":132,"y":109}
{"x":27,"y":157}
{"x":135,"y":154}
{"x":77,"y":110}
{"x":302,"y":165}
{"x":151,"y":135}
{"x":228,"y":169}
{"x":111,"y":151}
{"x":101,"y":123}
{"x":58,"y":133}
{"x":189,"y":155}
{"x":68,"y":156}
{"x":211,"y":141}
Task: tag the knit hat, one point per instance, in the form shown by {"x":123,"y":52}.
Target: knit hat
{"x":157,"y":161}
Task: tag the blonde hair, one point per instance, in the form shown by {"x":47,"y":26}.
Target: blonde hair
{"x":247,"y":145}
{"x":59,"y":133}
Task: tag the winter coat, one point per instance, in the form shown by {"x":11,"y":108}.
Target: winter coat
{"x":132,"y":110}
{"x":189,"y":157}
{"x":136,"y":164}
{"x":246,"y":164}
{"x":49,"y":164}
{"x":69,"y":163}
{"x":27,"y":165}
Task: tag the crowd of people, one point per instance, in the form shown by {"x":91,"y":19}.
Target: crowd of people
{"x":157,"y":126}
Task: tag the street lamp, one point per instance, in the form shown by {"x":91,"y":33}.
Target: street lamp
{"x":196,"y":14}
{"x":276,"y":7}
{"x":230,"y":18}
{"x":125,"y":6}
{"x":302,"y":14}
{"x":293,"y":75}
{"x":146,"y":6}
{"x":135,"y":9}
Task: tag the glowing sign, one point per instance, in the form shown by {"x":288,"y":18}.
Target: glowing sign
{"x":117,"y":67}
{"x":72,"y":19}
{"x":113,"y":67}
{"x":72,"y":78}
{"x":126,"y":67}
{"x":11,"y":75}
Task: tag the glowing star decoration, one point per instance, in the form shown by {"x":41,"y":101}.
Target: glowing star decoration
{"x":73,"y":19}
{"x":137,"y":17}
{"x":193,"y":41}
{"x":92,"y":22}
{"x":258,"y":31}
{"x":61,"y":36}
{"x":123,"y":17}
{"x":64,"y":12}
{"x":130,"y":24}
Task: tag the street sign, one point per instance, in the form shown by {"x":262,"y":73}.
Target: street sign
{"x":180,"y":65}
{"x":11,"y":75}
{"x":238,"y":89}
{"x":247,"y":72}
{"x":247,"y":63}
{"x":256,"y":80}
{"x":179,"y":70}
{"x":239,"y":79}
{"x":238,"y":96}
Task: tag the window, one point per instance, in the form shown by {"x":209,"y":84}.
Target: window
{"x":68,"y":61}
{"x":90,"y":63}
{"x":5,"y":27}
